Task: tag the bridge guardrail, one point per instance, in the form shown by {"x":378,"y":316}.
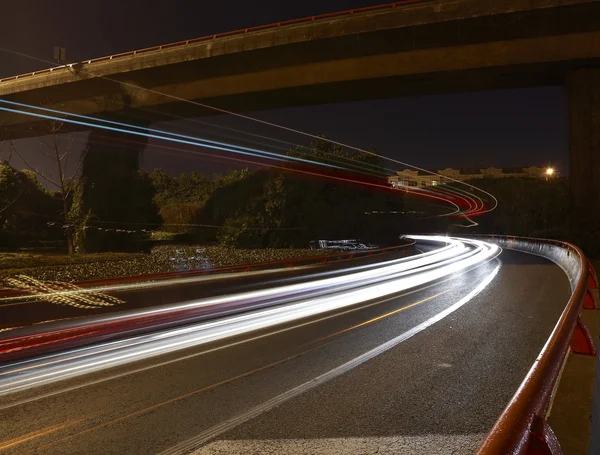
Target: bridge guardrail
{"x":223,"y":35}
{"x":522,"y":427}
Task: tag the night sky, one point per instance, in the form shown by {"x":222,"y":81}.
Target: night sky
{"x":502,"y":128}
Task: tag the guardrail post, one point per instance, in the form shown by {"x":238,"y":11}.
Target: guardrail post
{"x":581,"y":340}
{"x":589,"y":302}
{"x":592,"y":278}
{"x":542,"y":440}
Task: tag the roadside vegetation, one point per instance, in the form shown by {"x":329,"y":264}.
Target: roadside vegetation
{"x":283,"y":208}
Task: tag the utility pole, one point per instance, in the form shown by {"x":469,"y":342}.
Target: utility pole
{"x":60,"y":55}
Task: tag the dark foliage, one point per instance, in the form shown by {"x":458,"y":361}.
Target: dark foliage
{"x":28,"y":212}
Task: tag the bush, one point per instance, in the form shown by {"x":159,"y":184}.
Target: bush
{"x":27,"y":210}
{"x":245,"y":231}
{"x":92,"y":240}
{"x":180,"y":217}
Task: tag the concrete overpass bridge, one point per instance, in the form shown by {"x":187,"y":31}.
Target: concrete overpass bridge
{"x":405,"y":48}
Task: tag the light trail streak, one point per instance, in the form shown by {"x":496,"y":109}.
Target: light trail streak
{"x":186,"y":139}
{"x":234,"y":378}
{"x":246,"y":117}
{"x":302,"y":300}
{"x":182,"y":139}
{"x":352,"y":274}
{"x":471,"y":211}
{"x":220,"y":347}
{"x":201,"y":141}
{"x":413,"y":191}
{"x":23,"y":338}
{"x":229,"y":424}
{"x":53,"y":292}
{"x":211,"y":350}
{"x":232,"y":148}
{"x":472,"y":200}
{"x":25,"y":299}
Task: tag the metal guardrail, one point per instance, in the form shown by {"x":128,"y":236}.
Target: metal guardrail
{"x":522,"y":427}
{"x":243,"y":31}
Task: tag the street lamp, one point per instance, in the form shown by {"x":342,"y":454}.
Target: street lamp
{"x":549,"y":172}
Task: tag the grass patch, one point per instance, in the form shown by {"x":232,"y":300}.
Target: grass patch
{"x":163,"y":236}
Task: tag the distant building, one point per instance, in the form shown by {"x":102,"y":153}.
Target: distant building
{"x":420,"y":179}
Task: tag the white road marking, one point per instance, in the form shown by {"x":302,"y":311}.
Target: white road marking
{"x":194,"y":443}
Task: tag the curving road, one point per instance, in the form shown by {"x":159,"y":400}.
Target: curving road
{"x":426,"y":369}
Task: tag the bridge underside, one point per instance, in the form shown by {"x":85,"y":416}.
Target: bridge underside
{"x":414,"y":51}
{"x":460,"y":80}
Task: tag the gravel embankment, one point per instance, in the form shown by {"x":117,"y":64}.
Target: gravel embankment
{"x":162,"y":259}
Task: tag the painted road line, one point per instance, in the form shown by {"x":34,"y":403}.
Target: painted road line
{"x":196,"y":442}
{"x":215,"y":385}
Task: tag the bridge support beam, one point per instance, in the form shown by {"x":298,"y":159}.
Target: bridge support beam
{"x":113,"y":202}
{"x":583,"y":90}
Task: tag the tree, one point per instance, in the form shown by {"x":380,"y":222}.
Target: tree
{"x":164,"y":186}
{"x":244,"y":231}
{"x":59,"y":153}
{"x":25,"y":207}
{"x":181,"y":199}
{"x":371,"y":159}
{"x":9,"y":191}
{"x":322,"y":150}
{"x":284,"y":209}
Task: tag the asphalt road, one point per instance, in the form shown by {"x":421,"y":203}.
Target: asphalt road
{"x":388,"y":376}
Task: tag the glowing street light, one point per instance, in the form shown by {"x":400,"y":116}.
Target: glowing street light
{"x":549,"y":172}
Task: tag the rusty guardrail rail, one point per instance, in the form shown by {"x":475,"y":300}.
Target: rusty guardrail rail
{"x":522,"y":427}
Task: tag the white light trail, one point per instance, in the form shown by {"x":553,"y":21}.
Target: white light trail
{"x":452,"y":249}
{"x":256,"y":120}
{"x":302,"y":300}
{"x":233,"y":422}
